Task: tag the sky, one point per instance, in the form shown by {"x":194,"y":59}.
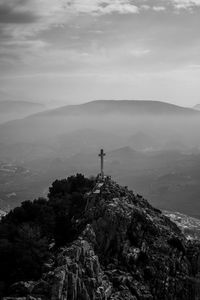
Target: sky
{"x":70,"y":51}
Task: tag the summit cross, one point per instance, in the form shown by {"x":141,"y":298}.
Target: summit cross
{"x":101,"y":155}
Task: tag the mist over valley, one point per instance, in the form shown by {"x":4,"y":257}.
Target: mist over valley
{"x":152,"y":147}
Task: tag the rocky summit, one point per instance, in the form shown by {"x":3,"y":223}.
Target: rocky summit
{"x":127,"y":250}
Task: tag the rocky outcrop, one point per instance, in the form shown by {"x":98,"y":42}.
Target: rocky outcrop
{"x":127,"y":251}
{"x":79,"y":274}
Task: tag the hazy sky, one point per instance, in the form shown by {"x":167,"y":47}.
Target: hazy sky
{"x":70,"y":51}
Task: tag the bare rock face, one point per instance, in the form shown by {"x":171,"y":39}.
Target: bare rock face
{"x":79,"y":274}
{"x":127,"y":251}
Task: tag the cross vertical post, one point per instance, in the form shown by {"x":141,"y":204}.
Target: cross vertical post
{"x":101,"y":155}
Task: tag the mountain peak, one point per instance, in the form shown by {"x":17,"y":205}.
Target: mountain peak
{"x":127,"y":250}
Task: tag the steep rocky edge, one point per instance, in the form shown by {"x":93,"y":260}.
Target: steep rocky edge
{"x":127,"y":250}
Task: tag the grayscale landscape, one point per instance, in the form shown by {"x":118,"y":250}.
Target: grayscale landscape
{"x":99,"y":150}
{"x":12,"y":110}
{"x":152,"y":147}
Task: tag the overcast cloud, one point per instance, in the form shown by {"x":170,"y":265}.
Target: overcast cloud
{"x":69,"y":51}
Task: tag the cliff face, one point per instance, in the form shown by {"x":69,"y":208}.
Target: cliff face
{"x":127,"y":251}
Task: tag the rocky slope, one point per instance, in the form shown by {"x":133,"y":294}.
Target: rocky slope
{"x":127,"y":250}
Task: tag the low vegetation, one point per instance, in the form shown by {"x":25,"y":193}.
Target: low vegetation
{"x":27,"y":232}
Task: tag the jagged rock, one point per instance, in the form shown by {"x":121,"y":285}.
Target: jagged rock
{"x":79,"y":274}
{"x":128,"y":251}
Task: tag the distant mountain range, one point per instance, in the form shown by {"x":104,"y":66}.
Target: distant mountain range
{"x":148,"y":123}
{"x":130,"y":107}
{"x":143,"y":141}
{"x":18,"y":106}
{"x":153,"y":147}
{"x":99,"y":107}
{"x":11,"y":110}
{"x":143,"y":125}
{"x":125,"y":153}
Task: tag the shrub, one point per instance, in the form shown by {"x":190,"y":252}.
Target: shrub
{"x":27,"y":231}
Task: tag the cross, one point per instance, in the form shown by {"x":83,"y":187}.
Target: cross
{"x":102,"y":154}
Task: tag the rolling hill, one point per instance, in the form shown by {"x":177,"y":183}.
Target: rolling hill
{"x":121,"y":117}
{"x":135,"y":107}
{"x":11,"y":110}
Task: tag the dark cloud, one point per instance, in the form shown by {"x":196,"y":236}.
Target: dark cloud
{"x":9,"y":15}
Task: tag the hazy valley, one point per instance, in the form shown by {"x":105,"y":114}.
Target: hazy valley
{"x":152,"y":147}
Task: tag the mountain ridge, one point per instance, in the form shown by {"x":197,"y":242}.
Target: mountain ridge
{"x":7,"y":105}
{"x":90,"y":113}
{"x":11,"y":110}
{"x":110,"y":106}
{"x":127,"y":250}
